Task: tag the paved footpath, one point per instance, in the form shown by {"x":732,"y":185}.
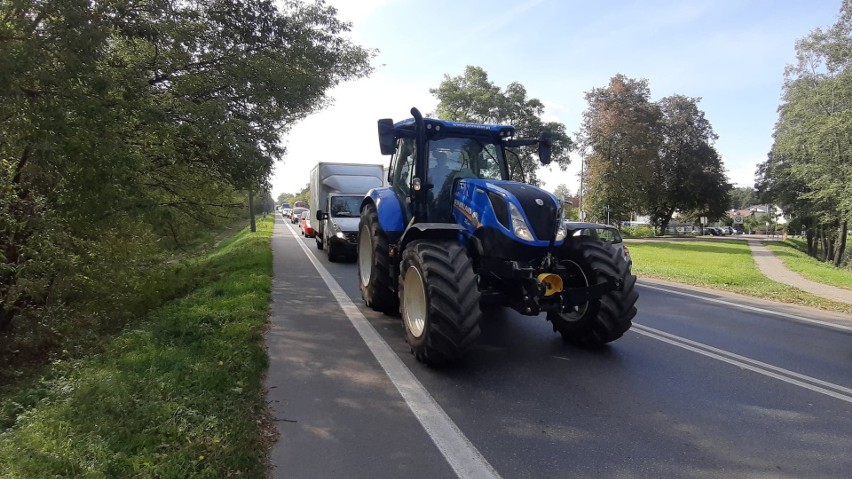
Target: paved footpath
{"x":774,"y":268}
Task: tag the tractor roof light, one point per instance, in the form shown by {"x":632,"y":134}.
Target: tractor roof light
{"x":519,"y":225}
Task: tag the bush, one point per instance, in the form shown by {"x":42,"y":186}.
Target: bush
{"x":637,"y":231}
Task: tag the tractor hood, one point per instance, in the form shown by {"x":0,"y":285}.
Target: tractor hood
{"x":538,"y":207}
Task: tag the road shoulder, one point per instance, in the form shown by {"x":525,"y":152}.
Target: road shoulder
{"x":750,"y":301}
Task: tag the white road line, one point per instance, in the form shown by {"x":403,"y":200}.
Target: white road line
{"x":461,"y":454}
{"x":751,"y":308}
{"x":807,"y":382}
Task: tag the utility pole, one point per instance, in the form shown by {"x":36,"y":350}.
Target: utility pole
{"x":582,"y":166}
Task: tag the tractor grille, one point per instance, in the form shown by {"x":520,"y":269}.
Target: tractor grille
{"x":541,"y":218}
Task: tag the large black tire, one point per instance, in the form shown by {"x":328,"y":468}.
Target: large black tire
{"x":602,"y":320}
{"x":374,"y":264}
{"x":439,"y":301}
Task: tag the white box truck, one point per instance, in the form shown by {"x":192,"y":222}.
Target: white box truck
{"x":336,"y":193}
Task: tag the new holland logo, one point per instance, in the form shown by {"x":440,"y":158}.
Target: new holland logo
{"x":539,"y":201}
{"x":468,"y":213}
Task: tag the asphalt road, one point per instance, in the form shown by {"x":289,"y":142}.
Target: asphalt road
{"x":700,"y":387}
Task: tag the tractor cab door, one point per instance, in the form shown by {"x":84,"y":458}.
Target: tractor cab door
{"x":402,"y":173}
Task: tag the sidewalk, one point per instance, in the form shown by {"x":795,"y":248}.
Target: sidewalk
{"x":774,"y":268}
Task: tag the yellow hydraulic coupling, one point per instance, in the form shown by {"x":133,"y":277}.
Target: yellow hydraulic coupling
{"x":552,"y":283}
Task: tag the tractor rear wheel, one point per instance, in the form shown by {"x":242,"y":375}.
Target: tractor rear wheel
{"x":598,"y":321}
{"x":439,"y":301}
{"x":374,"y":264}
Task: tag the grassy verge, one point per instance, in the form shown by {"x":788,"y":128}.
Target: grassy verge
{"x":810,"y":268}
{"x":719,"y":264}
{"x":179,"y":395}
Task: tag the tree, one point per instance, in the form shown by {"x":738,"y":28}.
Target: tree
{"x":564,"y":194}
{"x":742,"y":197}
{"x":650,"y":157}
{"x":620,"y":138}
{"x":284,"y":198}
{"x":688,"y":174}
{"x":472,"y":97}
{"x":127,"y":125}
{"x":812,"y":135}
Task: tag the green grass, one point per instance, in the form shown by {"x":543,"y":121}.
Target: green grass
{"x":178,"y":395}
{"x":798,"y":261}
{"x":718,"y":264}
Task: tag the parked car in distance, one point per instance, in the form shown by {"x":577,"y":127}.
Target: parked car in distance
{"x":305,"y":224}
{"x":727,"y":230}
{"x":607,"y":233}
{"x":296,"y":214}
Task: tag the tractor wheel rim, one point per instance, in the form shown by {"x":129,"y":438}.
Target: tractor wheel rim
{"x":577,"y":279}
{"x":365,"y":256}
{"x":414,"y":302}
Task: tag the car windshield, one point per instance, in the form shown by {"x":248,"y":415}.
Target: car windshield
{"x":603,"y":232}
{"x":299,"y":211}
{"x":345,"y":206}
{"x":609,"y":234}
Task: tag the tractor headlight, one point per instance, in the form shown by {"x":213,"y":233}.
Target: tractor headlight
{"x":519,"y":225}
{"x":561,"y":233}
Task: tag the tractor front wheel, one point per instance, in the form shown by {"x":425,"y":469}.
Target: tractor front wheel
{"x":440,"y":301}
{"x":374,"y":263}
{"x":598,"y":321}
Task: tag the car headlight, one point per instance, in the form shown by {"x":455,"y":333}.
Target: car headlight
{"x":335,"y":228}
{"x":519,"y":225}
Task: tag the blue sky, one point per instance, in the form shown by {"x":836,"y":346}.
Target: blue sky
{"x":730,"y":53}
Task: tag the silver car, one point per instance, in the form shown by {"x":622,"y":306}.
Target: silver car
{"x":607,"y":233}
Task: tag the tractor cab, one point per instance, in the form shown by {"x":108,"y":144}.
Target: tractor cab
{"x":431,"y":155}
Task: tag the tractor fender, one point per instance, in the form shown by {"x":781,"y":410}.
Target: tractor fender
{"x":389,"y":208}
{"x":432,"y":231}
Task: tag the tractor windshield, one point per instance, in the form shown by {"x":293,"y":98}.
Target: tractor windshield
{"x":454,"y":158}
{"x":464,"y":158}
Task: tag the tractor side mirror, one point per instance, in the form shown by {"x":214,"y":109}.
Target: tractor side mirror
{"x":320,"y":215}
{"x":386,"y":136}
{"x":544,"y":149}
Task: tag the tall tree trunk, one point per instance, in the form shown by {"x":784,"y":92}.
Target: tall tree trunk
{"x":824,"y":240}
{"x":841,"y":245}
{"x":809,"y":234}
{"x":665,"y":224}
{"x":251,"y":212}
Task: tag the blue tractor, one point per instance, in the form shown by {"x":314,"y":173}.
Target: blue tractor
{"x":452,"y":236}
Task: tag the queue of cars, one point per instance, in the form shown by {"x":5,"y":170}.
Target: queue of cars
{"x":720,"y":231}
{"x":302,"y":216}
